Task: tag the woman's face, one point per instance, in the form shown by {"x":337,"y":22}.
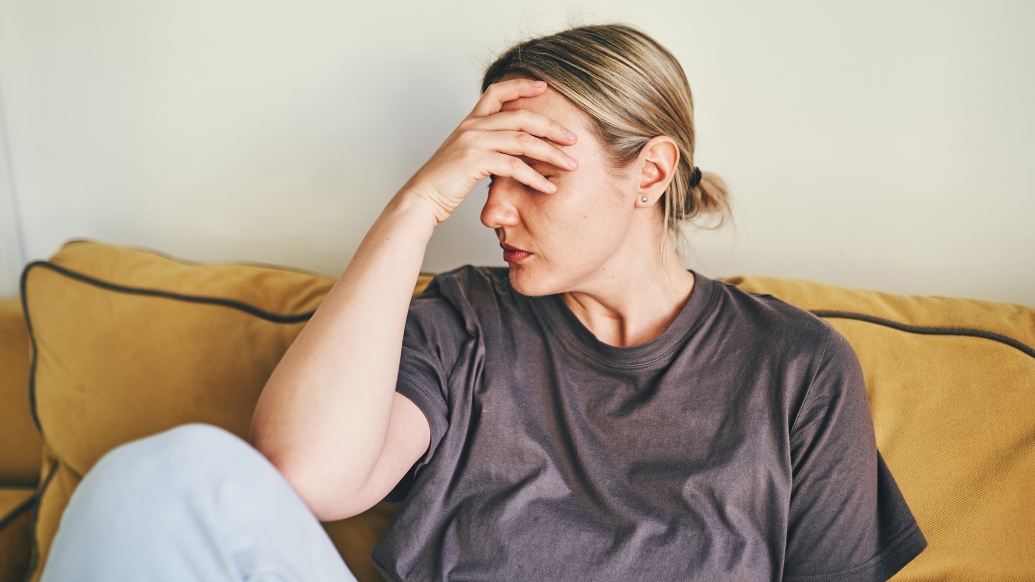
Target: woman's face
{"x":575,"y":235}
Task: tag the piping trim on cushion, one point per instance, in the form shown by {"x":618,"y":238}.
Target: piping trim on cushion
{"x":965,"y":331}
{"x":34,"y":560}
{"x":18,"y":510}
{"x":274,"y":317}
{"x":232,"y":304}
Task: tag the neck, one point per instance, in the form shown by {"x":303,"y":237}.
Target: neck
{"x":631,"y":300}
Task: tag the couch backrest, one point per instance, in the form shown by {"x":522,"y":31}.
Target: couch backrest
{"x":128,"y":343}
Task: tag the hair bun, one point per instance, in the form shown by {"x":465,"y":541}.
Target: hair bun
{"x":696,"y":178}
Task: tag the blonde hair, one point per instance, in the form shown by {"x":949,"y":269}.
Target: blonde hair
{"x":635,"y":90}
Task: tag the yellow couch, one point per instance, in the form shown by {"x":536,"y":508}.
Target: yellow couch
{"x":111,"y":344}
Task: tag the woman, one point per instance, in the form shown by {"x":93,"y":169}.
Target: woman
{"x":592,"y":411}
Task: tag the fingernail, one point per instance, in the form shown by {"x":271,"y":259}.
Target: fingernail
{"x":551,"y":186}
{"x":571,"y":162}
{"x":569,"y":135}
{"x":538,"y":83}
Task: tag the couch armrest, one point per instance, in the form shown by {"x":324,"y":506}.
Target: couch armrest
{"x":20,"y":441}
{"x":16,"y":505}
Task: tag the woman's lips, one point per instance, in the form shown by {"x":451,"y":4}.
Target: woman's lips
{"x":514,"y":254}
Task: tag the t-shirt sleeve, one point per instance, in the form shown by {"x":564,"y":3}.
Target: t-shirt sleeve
{"x":432,"y":341}
{"x":848,"y":520}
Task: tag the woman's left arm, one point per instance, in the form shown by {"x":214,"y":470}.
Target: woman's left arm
{"x":848,"y":520}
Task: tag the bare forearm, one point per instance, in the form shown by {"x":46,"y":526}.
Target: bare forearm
{"x":326,"y":411}
{"x":323,"y":415}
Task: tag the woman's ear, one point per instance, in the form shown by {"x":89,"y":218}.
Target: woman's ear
{"x":657,"y":161}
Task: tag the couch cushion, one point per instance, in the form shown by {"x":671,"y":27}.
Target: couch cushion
{"x":129,"y":343}
{"x":20,"y":442}
{"x":951,"y":384}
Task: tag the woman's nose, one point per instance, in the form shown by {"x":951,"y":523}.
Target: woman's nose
{"x":500,"y":209}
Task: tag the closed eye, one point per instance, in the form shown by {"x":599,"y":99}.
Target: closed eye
{"x":540,"y":167}
{"x":544,"y":170}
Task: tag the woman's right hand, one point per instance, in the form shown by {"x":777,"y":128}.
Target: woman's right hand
{"x":330,"y":418}
{"x":487,"y":143}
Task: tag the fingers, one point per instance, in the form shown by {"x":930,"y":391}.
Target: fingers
{"x":511,"y":167}
{"x":520,"y":143}
{"x":504,"y":135}
{"x":499,"y":93}
{"x":529,"y":122}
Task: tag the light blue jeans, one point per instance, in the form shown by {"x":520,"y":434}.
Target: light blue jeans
{"x":191,"y":503}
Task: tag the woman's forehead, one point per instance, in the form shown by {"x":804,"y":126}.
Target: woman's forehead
{"x":553,"y":105}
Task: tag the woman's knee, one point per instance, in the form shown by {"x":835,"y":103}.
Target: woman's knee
{"x":187,"y":452}
{"x":201,"y":442}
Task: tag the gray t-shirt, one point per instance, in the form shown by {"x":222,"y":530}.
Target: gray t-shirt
{"x":738,"y":445}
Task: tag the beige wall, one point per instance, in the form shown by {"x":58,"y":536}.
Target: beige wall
{"x":12,"y":254}
{"x":885,"y":145}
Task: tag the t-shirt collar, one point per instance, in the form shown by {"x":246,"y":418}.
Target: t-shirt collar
{"x":654,"y":352}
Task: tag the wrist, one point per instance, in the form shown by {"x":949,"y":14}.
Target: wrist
{"x":413,"y":209}
{"x":411,"y":200}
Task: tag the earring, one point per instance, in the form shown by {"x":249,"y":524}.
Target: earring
{"x":644,"y":199}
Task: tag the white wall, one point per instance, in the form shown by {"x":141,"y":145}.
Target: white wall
{"x":886,"y":145}
{"x":12,"y":253}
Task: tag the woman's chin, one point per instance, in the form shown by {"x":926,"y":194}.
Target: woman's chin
{"x":527,"y":281}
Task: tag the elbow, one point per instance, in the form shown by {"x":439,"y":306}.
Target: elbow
{"x":314,"y":492}
{"x":327,"y":477}
{"x":327,"y":491}
{"x":325,"y":482}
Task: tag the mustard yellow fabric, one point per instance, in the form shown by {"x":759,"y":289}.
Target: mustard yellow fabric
{"x":954,"y":417}
{"x":15,"y":519}
{"x":57,"y":482}
{"x":20,"y":442}
{"x":114,"y":365}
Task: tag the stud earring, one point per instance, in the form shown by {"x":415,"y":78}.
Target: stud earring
{"x":644,"y":199}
